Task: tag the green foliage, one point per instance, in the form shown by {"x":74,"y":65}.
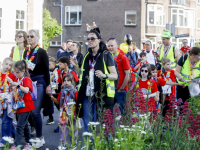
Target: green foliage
{"x":197,"y":44}
{"x":51,"y":28}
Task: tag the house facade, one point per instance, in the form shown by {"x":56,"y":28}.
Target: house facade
{"x":18,"y":15}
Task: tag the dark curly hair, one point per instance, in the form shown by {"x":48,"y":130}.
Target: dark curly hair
{"x":149,"y":70}
{"x":64,"y":59}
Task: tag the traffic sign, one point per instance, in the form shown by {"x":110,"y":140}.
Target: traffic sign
{"x":182,"y":35}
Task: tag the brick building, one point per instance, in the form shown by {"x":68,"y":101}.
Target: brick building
{"x":143,"y":19}
{"x":114,"y":17}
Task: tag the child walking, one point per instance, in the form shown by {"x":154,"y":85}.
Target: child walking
{"x":68,"y":94}
{"x":167,"y":74}
{"x":22,"y":85}
{"x":148,"y":86}
{"x":6,"y":103}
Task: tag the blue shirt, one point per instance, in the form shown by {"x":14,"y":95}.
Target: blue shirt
{"x":132,"y":58}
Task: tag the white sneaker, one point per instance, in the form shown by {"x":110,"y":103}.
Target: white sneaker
{"x":1,"y":145}
{"x":37,"y":143}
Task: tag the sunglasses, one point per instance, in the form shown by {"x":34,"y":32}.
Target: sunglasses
{"x":19,"y":36}
{"x":147,"y":44}
{"x":184,"y":42}
{"x":144,"y":70}
{"x":92,"y":39}
{"x":30,"y":36}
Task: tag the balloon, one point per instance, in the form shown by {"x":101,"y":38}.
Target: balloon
{"x":124,"y":47}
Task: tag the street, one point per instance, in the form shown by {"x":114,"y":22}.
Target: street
{"x":52,"y":139}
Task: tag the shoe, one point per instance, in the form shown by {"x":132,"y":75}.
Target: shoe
{"x":56,"y":130}
{"x":50,"y":121}
{"x":1,"y":145}
{"x":33,"y":132}
{"x":13,"y":148}
{"x":14,"y":122}
{"x":37,"y":143}
{"x":28,"y":147}
{"x":61,"y":147}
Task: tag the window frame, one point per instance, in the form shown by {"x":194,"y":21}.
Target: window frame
{"x":78,"y":6}
{"x":198,"y":23}
{"x":155,"y":17}
{"x":184,"y":17}
{"x":56,"y":44}
{"x":20,"y":20}
{"x":179,"y":2}
{"x":198,"y":2}
{"x":134,"y":12}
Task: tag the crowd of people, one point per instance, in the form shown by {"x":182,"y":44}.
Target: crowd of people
{"x":30,"y":81}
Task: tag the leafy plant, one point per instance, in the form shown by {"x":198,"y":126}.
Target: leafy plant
{"x":51,"y":28}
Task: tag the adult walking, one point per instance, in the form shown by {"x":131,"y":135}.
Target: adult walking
{"x":184,"y":72}
{"x":68,"y":52}
{"x":185,"y":49}
{"x":132,"y":55}
{"x":168,"y":50}
{"x":21,"y":43}
{"x":79,"y":56}
{"x":38,"y":65}
{"x":98,"y":65}
{"x":61,"y":49}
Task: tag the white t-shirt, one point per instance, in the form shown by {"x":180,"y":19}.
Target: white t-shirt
{"x":150,"y":57}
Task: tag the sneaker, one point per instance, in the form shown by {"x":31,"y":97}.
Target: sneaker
{"x":33,"y":132}
{"x":28,"y":147}
{"x":1,"y":145}
{"x":37,"y":143}
{"x":61,"y":147}
{"x":56,"y":130}
{"x":50,"y":121}
{"x":14,"y":122}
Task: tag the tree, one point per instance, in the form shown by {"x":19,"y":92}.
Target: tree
{"x":51,"y":28}
{"x":197,"y":44}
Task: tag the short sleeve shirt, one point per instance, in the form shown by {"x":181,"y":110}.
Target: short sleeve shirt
{"x":29,"y":105}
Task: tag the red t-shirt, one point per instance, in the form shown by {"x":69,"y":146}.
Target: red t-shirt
{"x":171,"y":74}
{"x":10,"y":75}
{"x":59,"y":77}
{"x":29,"y":105}
{"x":160,"y":81}
{"x":122,"y":64}
{"x":76,"y":79}
{"x":185,"y":50}
{"x":153,"y":87}
{"x":140,"y":65}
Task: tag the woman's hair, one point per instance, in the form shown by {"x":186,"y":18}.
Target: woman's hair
{"x":36,"y":34}
{"x":195,"y":51}
{"x":24,"y":35}
{"x":52,"y":59}
{"x":8,"y":59}
{"x":149,"y":70}
{"x":21,"y":65}
{"x":165,"y":60}
{"x":70,"y":77}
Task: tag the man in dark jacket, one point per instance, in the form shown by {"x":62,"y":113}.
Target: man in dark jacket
{"x":62,"y":49}
{"x":68,"y":51}
{"x":75,"y":49}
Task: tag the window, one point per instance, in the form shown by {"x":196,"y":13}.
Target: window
{"x":20,"y":17}
{"x":130,"y":18}
{"x":73,"y":15}
{"x":191,"y":19}
{"x":55,"y":43}
{"x":153,"y":42}
{"x":174,"y":16}
{"x":155,"y":15}
{"x":198,"y":1}
{"x":198,"y":23}
{"x":164,"y":21}
{"x":0,"y":20}
{"x":180,"y":2}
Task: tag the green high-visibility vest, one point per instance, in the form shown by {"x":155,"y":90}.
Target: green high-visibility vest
{"x":170,"y":55}
{"x":110,"y":85}
{"x":185,"y":71}
{"x":16,"y":54}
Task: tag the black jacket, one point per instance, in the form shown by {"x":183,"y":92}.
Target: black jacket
{"x":108,"y":101}
{"x":79,"y":58}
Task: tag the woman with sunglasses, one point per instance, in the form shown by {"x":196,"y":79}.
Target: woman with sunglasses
{"x":38,"y":66}
{"x":21,"y":43}
{"x":148,"y":86}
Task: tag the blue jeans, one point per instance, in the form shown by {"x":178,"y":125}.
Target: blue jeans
{"x":89,"y":110}
{"x":120,"y":98}
{"x":7,"y":128}
{"x":36,"y":112}
{"x":22,"y":127}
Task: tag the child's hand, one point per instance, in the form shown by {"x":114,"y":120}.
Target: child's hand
{"x":50,"y":94}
